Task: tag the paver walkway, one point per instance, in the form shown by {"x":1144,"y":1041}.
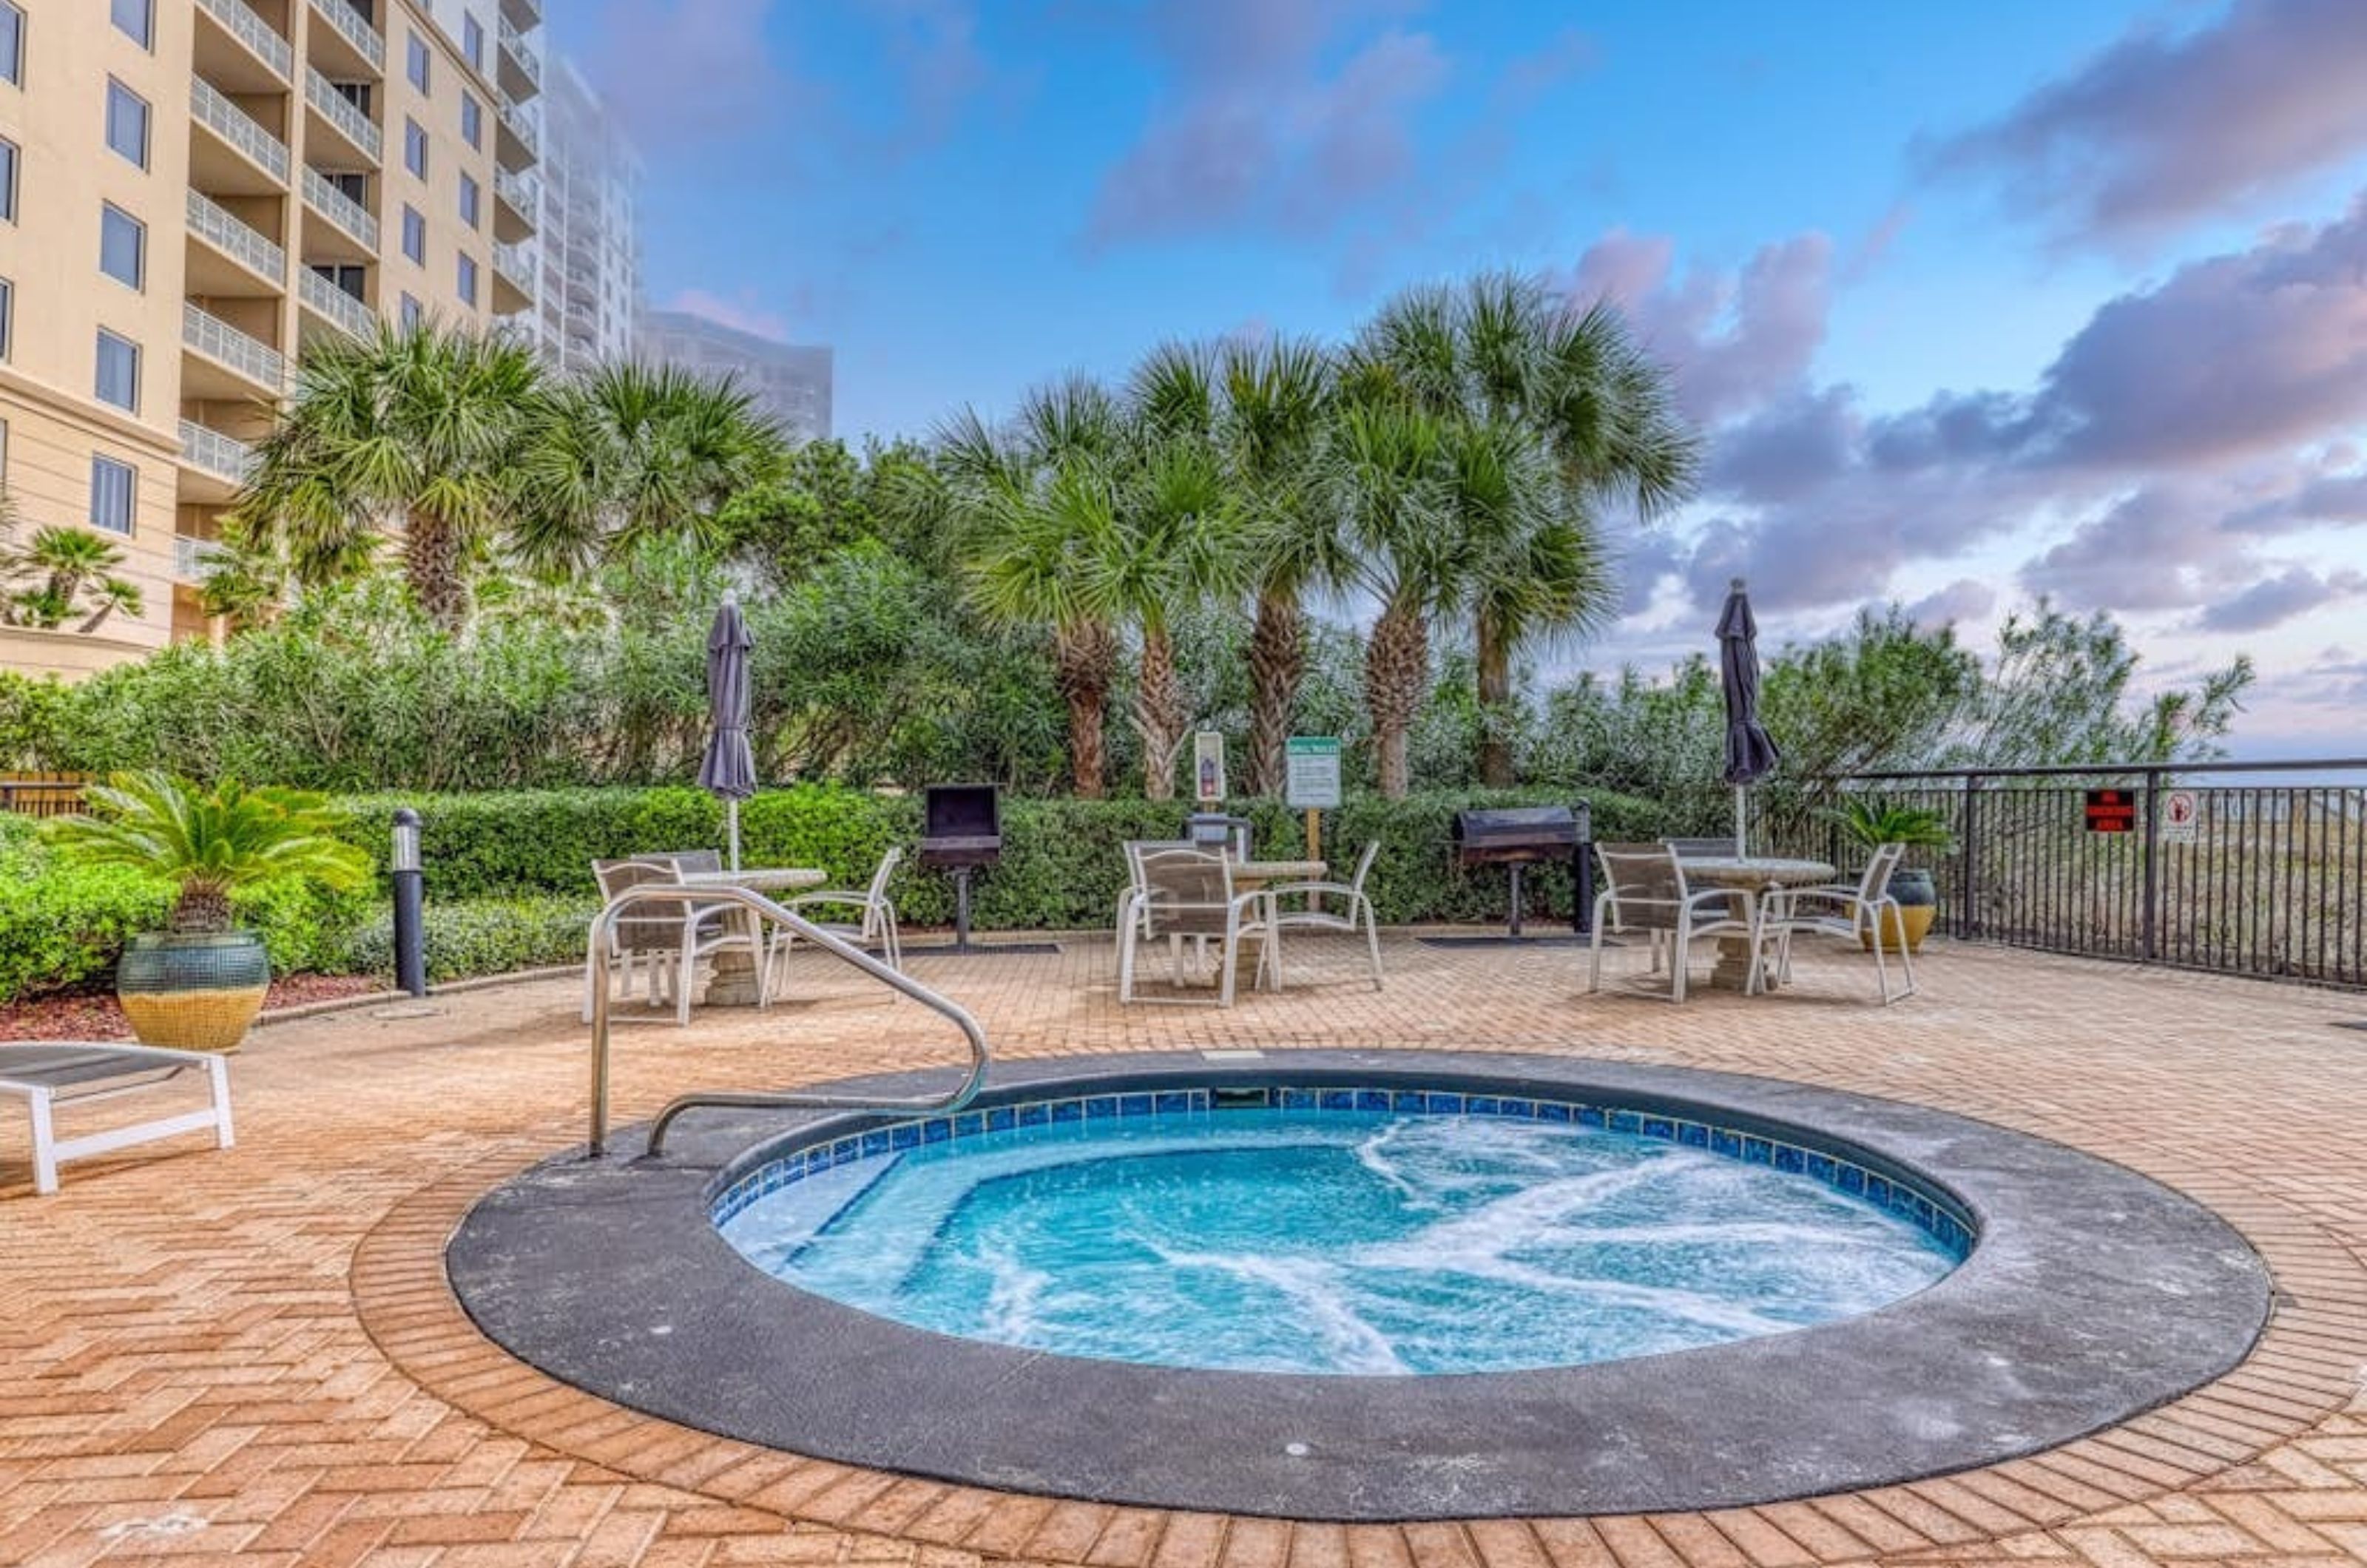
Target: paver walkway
{"x":252,"y":1356}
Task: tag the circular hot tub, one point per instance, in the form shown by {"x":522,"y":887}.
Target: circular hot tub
{"x":1370,"y":1285}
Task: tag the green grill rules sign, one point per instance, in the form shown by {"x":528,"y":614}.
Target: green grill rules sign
{"x":1311,"y":781}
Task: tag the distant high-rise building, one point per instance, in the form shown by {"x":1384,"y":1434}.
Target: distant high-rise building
{"x":190,"y":192}
{"x":590,"y":275}
{"x":791,"y":383}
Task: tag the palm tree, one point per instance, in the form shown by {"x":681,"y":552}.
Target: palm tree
{"x":1026,"y":500}
{"x":426,"y":425}
{"x":632,"y":452}
{"x":69,"y":572}
{"x":1503,"y":351}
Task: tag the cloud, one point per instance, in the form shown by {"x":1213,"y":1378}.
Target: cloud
{"x":933,"y":45}
{"x":742,"y":312}
{"x":687,"y":73}
{"x":2146,"y":552}
{"x":2162,"y":130}
{"x":2273,"y":601}
{"x":1966,"y":598}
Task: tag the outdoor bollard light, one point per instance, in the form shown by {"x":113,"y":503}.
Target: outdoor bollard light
{"x":410,"y":948}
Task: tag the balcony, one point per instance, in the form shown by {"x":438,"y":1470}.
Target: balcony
{"x":517,"y":212}
{"x":522,"y":13}
{"x":234,"y":155}
{"x":334,"y":305}
{"x":213,"y":465}
{"x":192,"y":559}
{"x":521,"y":67}
{"x":363,"y":144}
{"x":238,"y":49}
{"x":349,"y":45}
{"x":517,"y":144}
{"x":512,"y":276}
{"x":237,"y":256}
{"x":352,"y":222}
{"x":232,"y":366}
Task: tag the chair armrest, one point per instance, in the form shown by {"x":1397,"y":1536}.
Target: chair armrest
{"x":1334,"y":889}
{"x":830,"y":896}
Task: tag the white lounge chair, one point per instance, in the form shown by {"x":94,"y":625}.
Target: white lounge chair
{"x":874,"y":922}
{"x":1644,"y":889}
{"x":1844,"y":910}
{"x":1357,"y":916}
{"x":47,"y":1075}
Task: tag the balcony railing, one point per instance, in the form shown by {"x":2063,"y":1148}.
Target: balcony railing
{"x":515,"y":116}
{"x":514,"y":264}
{"x":341,"y":210}
{"x":524,"y":13}
{"x":252,"y":31}
{"x":193,"y":558}
{"x":219,"y":228}
{"x":351,"y":26}
{"x":339,"y":111}
{"x":324,"y":297}
{"x":226,"y":456}
{"x":521,"y":51}
{"x":217,"y":339}
{"x":518,"y":190}
{"x":235,"y":126}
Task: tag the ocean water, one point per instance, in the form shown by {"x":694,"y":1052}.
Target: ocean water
{"x":1374,"y":1244}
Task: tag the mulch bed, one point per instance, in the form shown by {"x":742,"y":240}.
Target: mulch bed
{"x":91,"y":1015}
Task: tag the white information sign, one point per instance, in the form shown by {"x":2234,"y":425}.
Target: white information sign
{"x":1208,"y":767}
{"x":1312,"y":781}
{"x":2181,"y":810}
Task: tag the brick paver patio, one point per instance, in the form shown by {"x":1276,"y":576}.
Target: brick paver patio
{"x":252,"y":1356}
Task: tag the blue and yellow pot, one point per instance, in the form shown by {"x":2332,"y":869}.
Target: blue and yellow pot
{"x":193,"y":991}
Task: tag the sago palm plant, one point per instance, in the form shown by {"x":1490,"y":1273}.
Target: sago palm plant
{"x":209,"y":843}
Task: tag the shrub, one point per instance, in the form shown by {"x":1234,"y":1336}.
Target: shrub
{"x":480,"y":936}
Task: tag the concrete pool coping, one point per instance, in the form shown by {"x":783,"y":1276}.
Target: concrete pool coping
{"x":2094,"y":1294}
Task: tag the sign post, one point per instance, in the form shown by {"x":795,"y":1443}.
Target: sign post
{"x":1311,"y":782}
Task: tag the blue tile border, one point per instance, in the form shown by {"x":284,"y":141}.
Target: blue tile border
{"x":1936,"y":1215}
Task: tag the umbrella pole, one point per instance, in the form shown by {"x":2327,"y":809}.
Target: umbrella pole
{"x":731,"y":830}
{"x":1741,"y":849}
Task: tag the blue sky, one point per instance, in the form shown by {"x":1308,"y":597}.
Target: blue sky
{"x":1976,"y":301}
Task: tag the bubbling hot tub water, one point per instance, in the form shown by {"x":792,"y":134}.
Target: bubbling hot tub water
{"x":1358,"y":1240}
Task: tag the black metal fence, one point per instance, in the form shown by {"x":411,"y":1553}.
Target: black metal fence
{"x":2264,"y":878}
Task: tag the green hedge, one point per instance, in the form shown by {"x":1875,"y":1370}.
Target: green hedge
{"x":509,"y":876}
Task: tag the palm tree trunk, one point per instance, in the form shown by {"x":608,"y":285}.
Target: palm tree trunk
{"x":1495,"y":661}
{"x":1277,"y":665}
{"x":1159,"y":714}
{"x":1397,"y":664}
{"x":99,"y":616}
{"x":431,"y":556}
{"x":1084,"y":657}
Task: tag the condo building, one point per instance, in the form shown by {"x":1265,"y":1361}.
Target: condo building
{"x":190,"y":190}
{"x":790,"y":383}
{"x":590,"y":279}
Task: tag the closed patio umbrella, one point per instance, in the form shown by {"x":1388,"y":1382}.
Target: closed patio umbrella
{"x":728,"y":770}
{"x":1749,"y":752}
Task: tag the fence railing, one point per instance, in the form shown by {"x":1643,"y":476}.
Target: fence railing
{"x":2239,"y":868}
{"x":41,"y":795}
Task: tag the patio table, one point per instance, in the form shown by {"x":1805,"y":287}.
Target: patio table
{"x":1256,"y":875}
{"x":733,"y":982}
{"x":1747,"y":877}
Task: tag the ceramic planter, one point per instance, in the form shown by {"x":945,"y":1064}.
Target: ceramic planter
{"x":193,"y":992}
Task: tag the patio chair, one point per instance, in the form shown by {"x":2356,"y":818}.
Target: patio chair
{"x":1842,"y":910}
{"x":665,"y":940}
{"x":1704,"y":848}
{"x":48,"y":1074}
{"x":1644,"y":889}
{"x":1188,"y":892}
{"x":1358,"y":914}
{"x":874,"y":922}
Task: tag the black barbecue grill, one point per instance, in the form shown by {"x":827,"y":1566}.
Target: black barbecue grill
{"x":961,"y":831}
{"x":1518,"y":837}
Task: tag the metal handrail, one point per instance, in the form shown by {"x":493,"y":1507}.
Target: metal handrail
{"x":603,"y":932}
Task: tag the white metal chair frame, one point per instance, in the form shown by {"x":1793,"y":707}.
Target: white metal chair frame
{"x":670,"y":945}
{"x":49,"y":1073}
{"x":876,"y":927}
{"x":1842,"y":910}
{"x":1358,"y":916}
{"x":1188,"y":892}
{"x":1654,"y":896}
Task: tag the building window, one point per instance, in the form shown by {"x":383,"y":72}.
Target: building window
{"x":7,"y":316}
{"x":469,"y":280}
{"x":352,"y":186}
{"x":7,"y":179}
{"x":122,"y":246}
{"x":414,"y":314}
{"x":473,"y":41}
{"x":472,"y":121}
{"x":136,"y":19}
{"x":349,"y":278}
{"x":418,"y":71}
{"x":113,"y":486}
{"x":469,"y":195}
{"x":127,"y":122}
{"x":11,"y":43}
{"x":414,"y":147}
{"x":414,"y":235}
{"x":119,"y":371}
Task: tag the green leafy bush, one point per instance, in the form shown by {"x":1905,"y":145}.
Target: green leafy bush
{"x":480,"y":936}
